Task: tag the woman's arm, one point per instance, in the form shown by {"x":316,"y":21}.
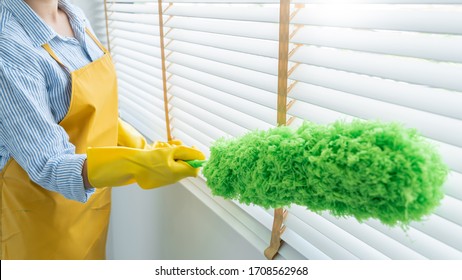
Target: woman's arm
{"x":31,"y":135}
{"x":86,"y":182}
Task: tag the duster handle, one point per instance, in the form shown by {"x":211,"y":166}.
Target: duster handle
{"x":196,"y":163}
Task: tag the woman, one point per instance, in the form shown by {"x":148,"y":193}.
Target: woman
{"x":59,"y":133}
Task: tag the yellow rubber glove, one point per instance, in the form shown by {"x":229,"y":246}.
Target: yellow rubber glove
{"x":128,"y":136}
{"x":119,"y":166}
{"x":160,"y":144}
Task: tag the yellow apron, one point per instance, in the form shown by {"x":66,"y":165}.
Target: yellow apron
{"x":40,"y":224}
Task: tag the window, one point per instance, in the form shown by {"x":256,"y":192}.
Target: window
{"x":395,"y":60}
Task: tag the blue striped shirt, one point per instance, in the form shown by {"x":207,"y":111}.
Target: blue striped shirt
{"x":35,"y":95}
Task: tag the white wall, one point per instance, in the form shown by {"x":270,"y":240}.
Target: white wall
{"x":169,"y":222}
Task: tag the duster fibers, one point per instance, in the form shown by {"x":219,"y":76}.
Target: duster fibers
{"x":365,"y":169}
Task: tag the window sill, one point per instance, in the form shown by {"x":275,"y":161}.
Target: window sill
{"x":252,"y":223}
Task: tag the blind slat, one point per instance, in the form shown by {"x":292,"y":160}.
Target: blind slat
{"x":142,"y":8}
{"x":126,"y":71}
{"x":206,"y":128}
{"x":244,"y":29}
{"x":450,"y":210}
{"x":147,"y":40}
{"x":248,"y":13}
{"x":239,"y":118}
{"x":245,"y":76}
{"x":317,"y":239}
{"x":139,"y":47}
{"x":185,"y":126}
{"x":144,"y":71}
{"x":242,"y":105}
{"x":410,"y":70}
{"x":418,"y":241}
{"x":443,"y":19}
{"x":130,"y":1}
{"x":135,"y":18}
{"x":409,"y":44}
{"x":247,"y":61}
{"x":229,"y":127}
{"x":147,"y":101}
{"x":351,"y":243}
{"x":427,"y":123}
{"x":316,"y":114}
{"x":189,"y":140}
{"x":133,"y":27}
{"x":382,"y":242}
{"x":152,"y":132}
{"x":225,"y":42}
{"x":131,"y":97}
{"x":453,"y":185}
{"x":141,"y":58}
{"x":256,"y":95}
{"x":443,"y":230}
{"x":291,"y":237}
{"x":143,"y":114}
{"x":152,"y":89}
{"x":451,"y":155}
{"x":437,"y":101}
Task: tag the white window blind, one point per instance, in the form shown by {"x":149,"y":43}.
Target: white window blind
{"x":133,"y":28}
{"x":390,"y":60}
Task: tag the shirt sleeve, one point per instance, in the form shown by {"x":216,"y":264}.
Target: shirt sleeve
{"x":32,"y":136}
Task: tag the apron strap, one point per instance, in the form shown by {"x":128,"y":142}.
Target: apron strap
{"x":54,"y":56}
{"x":96,"y":40}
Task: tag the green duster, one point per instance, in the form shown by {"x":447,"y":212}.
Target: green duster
{"x":365,"y":169}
